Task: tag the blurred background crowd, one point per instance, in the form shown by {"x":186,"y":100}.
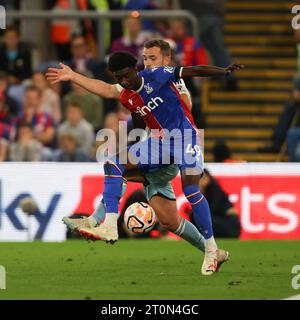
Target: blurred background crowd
{"x":39,"y":122}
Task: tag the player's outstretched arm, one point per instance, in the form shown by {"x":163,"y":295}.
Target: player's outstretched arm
{"x":98,"y":87}
{"x":210,"y":71}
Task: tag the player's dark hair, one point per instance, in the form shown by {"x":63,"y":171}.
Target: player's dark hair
{"x":164,"y":46}
{"x":120,"y":60}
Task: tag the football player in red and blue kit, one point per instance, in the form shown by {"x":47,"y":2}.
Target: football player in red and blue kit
{"x":174,"y":138}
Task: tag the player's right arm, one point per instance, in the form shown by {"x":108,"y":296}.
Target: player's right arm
{"x":98,"y":87}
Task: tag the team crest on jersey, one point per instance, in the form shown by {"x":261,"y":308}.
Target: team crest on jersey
{"x":148,"y":88}
{"x":169,"y":69}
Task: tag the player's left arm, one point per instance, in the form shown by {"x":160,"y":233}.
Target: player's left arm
{"x":209,"y":71}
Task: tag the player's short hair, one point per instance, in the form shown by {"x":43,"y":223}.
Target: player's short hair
{"x":163,"y":45}
{"x":120,"y":60}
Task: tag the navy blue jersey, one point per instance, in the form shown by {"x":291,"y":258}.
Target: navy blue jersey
{"x":158,"y":101}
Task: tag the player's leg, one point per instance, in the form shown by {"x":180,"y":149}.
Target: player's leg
{"x":95,"y":219}
{"x":191,"y":168}
{"x":98,"y":216}
{"x":114,"y":171}
{"x":166,"y":212}
{"x":161,"y":197}
{"x":202,"y":218}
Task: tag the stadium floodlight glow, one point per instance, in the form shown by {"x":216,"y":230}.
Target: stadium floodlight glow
{"x":2,"y":18}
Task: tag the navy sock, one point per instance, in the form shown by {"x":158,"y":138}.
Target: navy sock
{"x":113,"y":182}
{"x":99,"y":213}
{"x":201,"y":211}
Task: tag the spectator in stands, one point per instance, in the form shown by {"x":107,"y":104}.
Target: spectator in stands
{"x":3,"y":149}
{"x":294,"y":143}
{"x":42,"y":122}
{"x":143,"y":5}
{"x":7,"y":123}
{"x":134,"y":38}
{"x":297,"y":39}
{"x":9,"y":101}
{"x":224,"y":217}
{"x":111,"y":122}
{"x":61,"y":30}
{"x":221,"y":152}
{"x":78,"y":127}
{"x":68,"y":150}
{"x":91,"y":105}
{"x":293,"y":134}
{"x":189,"y":52}
{"x":210,"y":14}
{"x":290,"y":117}
{"x":15,"y":56}
{"x":112,"y":29}
{"x":26,"y":148}
{"x":50,"y":99}
{"x":82,"y":61}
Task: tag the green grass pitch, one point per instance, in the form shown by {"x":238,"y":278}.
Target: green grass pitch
{"x":146,"y":269}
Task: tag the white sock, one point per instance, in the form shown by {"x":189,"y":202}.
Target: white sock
{"x":111,"y":219}
{"x":210,"y":244}
{"x":92,"y":221}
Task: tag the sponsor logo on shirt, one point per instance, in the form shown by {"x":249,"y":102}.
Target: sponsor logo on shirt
{"x":151,"y":105}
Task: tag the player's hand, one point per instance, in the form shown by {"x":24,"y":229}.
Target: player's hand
{"x":233,"y":67}
{"x":55,"y":75}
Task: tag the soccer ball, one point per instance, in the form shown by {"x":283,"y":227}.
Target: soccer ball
{"x":139,"y":217}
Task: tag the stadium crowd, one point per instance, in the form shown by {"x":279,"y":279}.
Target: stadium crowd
{"x":39,"y":122}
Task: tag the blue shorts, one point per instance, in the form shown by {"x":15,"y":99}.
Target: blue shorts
{"x":155,"y":153}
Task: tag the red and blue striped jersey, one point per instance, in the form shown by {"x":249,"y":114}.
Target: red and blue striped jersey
{"x":158,"y":102}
